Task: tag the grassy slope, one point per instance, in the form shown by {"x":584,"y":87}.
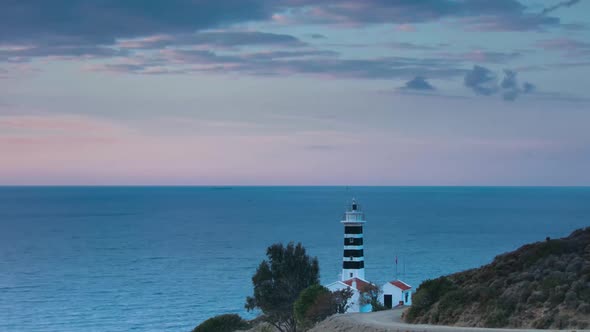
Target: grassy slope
{"x":540,"y":285}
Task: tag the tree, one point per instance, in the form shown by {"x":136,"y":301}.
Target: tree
{"x":340,"y":300}
{"x":223,"y":323}
{"x":370,"y":294}
{"x":278,"y":282}
{"x":316,"y":297}
{"x":316,"y":303}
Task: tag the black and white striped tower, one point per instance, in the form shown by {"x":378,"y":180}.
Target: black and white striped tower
{"x":353,"y":261}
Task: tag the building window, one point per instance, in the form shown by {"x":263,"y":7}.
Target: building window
{"x":351,"y":274}
{"x":351,"y":258}
{"x":406,"y":297}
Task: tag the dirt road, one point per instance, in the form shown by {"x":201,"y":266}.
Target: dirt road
{"x":390,"y":320}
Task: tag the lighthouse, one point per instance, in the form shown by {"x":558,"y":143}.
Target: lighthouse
{"x":395,"y":293}
{"x":353,"y":258}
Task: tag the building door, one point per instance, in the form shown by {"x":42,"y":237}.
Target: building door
{"x":387,"y":299}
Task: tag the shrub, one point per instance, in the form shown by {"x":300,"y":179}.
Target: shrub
{"x":306,"y":300}
{"x":316,"y":303}
{"x":428,"y":293}
{"x":370,"y":295}
{"x":223,"y":323}
{"x":497,"y":318}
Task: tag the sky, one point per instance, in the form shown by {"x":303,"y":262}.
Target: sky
{"x":295,"y":92}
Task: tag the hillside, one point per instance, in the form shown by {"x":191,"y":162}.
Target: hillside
{"x":540,"y":285}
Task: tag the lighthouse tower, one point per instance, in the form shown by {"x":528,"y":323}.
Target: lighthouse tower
{"x":353,"y":259}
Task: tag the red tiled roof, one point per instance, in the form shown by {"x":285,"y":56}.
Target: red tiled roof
{"x":401,"y":285}
{"x":360,"y":283}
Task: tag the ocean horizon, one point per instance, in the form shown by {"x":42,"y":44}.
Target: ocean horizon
{"x":165,"y":258}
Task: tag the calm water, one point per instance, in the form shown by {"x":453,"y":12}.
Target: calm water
{"x":165,"y":259}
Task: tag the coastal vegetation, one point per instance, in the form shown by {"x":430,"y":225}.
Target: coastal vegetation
{"x":370,"y":294}
{"x":540,"y":285}
{"x":223,"y":323}
{"x":316,"y":303}
{"x":278,"y":282}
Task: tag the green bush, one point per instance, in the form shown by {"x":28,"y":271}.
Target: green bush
{"x":306,"y":300}
{"x":428,"y":293}
{"x":552,"y":247}
{"x":497,"y":318}
{"x":223,"y":323}
{"x":316,"y":303}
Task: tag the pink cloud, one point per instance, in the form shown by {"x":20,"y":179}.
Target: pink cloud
{"x":405,"y":28}
{"x":65,"y":124}
{"x":568,"y":45}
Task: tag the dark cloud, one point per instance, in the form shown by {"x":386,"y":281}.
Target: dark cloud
{"x":482,"y":56}
{"x":568,"y":3}
{"x":308,"y":62}
{"x":481,"y":80}
{"x":497,"y":15}
{"x":78,"y":22}
{"x":509,"y":81}
{"x":528,"y":87}
{"x":212,"y":39}
{"x":273,"y":55}
{"x":418,"y":83}
{"x":412,"y":46}
{"x":510,"y":87}
{"x":83,"y":51}
{"x":101,"y":22}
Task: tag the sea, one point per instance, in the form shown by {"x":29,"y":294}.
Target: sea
{"x":113,"y":259}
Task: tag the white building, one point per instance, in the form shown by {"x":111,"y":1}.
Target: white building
{"x":396,"y":293}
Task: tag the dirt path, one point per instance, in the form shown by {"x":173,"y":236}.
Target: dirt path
{"x":390,"y":320}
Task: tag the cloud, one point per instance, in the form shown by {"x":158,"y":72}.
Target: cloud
{"x":509,"y":81}
{"x":528,"y":87}
{"x":405,"y":28}
{"x":102,"y":23}
{"x":481,"y":80}
{"x":24,"y":54}
{"x":482,"y":56}
{"x":413,"y":46}
{"x":320,"y":147}
{"x":497,"y":15}
{"x":510,"y":87}
{"x":317,"y":36}
{"x":511,"y":22}
{"x":568,"y":46}
{"x":418,"y":84}
{"x":90,"y":22}
{"x":212,"y":39}
{"x":61,"y":124}
{"x":323,"y":63}
{"x":568,"y":3}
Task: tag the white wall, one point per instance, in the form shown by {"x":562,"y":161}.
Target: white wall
{"x":397,"y":294}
